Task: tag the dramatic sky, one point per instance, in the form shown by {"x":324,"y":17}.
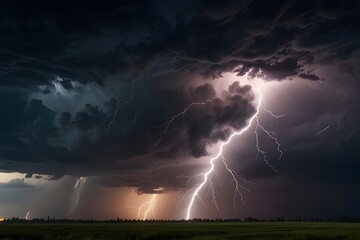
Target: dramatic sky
{"x":136,"y":98}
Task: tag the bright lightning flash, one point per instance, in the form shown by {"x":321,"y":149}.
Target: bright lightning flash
{"x":27,"y":215}
{"x":77,"y":193}
{"x":58,"y":88}
{"x":235,"y":177}
{"x":149,"y":207}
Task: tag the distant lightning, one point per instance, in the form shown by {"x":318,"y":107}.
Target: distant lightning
{"x":168,"y":123}
{"x":58,"y":88}
{"x":235,"y":177}
{"x":322,"y":130}
{"x":27,"y":215}
{"x":80,"y":181}
{"x":272,"y":114}
{"x":150,"y":208}
{"x":118,"y":107}
{"x":57,"y":85}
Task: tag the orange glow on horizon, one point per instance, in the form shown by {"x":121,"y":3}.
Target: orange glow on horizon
{"x":2,"y":219}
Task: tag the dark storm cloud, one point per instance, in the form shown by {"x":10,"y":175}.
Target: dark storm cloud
{"x":135,"y":141}
{"x":168,"y":47}
{"x":28,"y":175}
{"x":89,"y":42}
{"x":89,"y":118}
{"x":141,"y":133}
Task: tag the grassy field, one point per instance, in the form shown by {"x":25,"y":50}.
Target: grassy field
{"x":158,"y":231}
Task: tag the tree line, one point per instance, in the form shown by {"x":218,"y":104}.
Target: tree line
{"x":120,"y":220}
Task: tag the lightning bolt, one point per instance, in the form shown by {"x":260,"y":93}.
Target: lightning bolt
{"x":212,"y":190}
{"x":168,"y":123}
{"x":237,"y":188}
{"x":78,"y":186}
{"x":271,"y":135}
{"x":118,"y":106}
{"x":58,"y":88}
{"x":27,"y":215}
{"x":79,"y":182}
{"x":150,"y":208}
{"x":217,"y":156}
{"x":234,"y":175}
{"x":322,"y":130}
{"x":272,"y":114}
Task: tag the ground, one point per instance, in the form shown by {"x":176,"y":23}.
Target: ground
{"x":186,"y":230}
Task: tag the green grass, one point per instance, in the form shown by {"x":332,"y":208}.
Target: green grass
{"x":197,"y":231}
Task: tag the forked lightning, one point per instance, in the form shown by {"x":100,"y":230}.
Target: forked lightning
{"x":235,"y":177}
{"x":150,"y":208}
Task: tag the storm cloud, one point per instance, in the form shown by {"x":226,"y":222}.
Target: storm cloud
{"x":125,"y":69}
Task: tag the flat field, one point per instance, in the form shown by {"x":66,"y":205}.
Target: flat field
{"x":181,"y":230}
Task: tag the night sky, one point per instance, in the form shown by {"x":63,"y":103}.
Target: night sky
{"x":109,"y":105}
